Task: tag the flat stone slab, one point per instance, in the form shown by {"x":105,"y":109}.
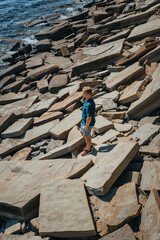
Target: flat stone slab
{"x":111,"y":211}
{"x":22,"y":154}
{"x":59,"y":106}
{"x":57,"y":82}
{"x":122,"y":127}
{"x":124,"y":77}
{"x":145,"y":30}
{"x":145,"y":132}
{"x":31,"y":136}
{"x":113,"y":115}
{"x":23,"y":202}
{"x":48,"y":117}
{"x":18,"y":237}
{"x":14,"y":69}
{"x":62,"y":129}
{"x":34,"y":62}
{"x":18,"y":128}
{"x":64,"y":149}
{"x":151,"y":217}
{"x":105,"y":137}
{"x":40,"y":72}
{"x":124,"y":233}
{"x":150,"y":150}
{"x":132,"y":92}
{"x":150,"y":176}
{"x":149,"y":99}
{"x":11,"y":97}
{"x":39,"y":107}
{"x":42,"y":85}
{"x":62,"y":62}
{"x":102,"y":124}
{"x":104,"y":173}
{"x":71,"y":204}
{"x":6,"y":121}
{"x":19,"y":107}
{"x":97,"y":57}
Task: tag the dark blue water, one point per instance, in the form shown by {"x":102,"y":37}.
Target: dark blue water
{"x":14,"y":15}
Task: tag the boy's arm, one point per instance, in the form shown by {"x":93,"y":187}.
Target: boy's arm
{"x":88,"y":120}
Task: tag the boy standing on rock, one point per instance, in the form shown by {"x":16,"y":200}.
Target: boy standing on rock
{"x":88,"y":119}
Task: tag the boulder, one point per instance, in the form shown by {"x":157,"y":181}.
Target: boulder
{"x":149,"y":100}
{"x":71,"y":204}
{"x":125,"y":77}
{"x":62,"y":129}
{"x":145,"y":132}
{"x":18,"y":107}
{"x":18,"y":128}
{"x":111,"y":212}
{"x":150,"y":176}
{"x":124,"y":233}
{"x":100,"y":178}
{"x":43,"y":45}
{"x":150,"y":217}
{"x":57,"y":82}
{"x":102,"y":124}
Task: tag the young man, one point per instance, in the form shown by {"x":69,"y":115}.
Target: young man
{"x":88,"y":119}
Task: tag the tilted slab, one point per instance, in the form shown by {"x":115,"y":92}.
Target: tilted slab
{"x":11,"y":97}
{"x":149,"y":100}
{"x":145,"y":30}
{"x":20,"y":183}
{"x":116,"y":208}
{"x":6,"y":121}
{"x":18,"y":237}
{"x":31,"y":136}
{"x":150,"y":176}
{"x":105,"y":137}
{"x":42,"y":71}
{"x":143,"y":133}
{"x":100,"y":178}
{"x":17,"y":128}
{"x":150,"y":217}
{"x":124,"y":77}
{"x":102,"y":124}
{"x":62,"y":129}
{"x":66,"y":212}
{"x":19,"y":107}
{"x":48,"y":117}
{"x":14,"y":69}
{"x":97,"y":57}
{"x":124,"y":233}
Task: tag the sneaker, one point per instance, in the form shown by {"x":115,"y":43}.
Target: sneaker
{"x":86,"y":152}
{"x":92,"y":147}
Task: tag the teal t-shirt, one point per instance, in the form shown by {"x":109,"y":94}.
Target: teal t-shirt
{"x":88,"y":111}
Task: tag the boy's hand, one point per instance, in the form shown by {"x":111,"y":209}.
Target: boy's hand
{"x":86,"y":129}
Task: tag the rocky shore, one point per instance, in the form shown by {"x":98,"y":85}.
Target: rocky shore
{"x":48,"y":191}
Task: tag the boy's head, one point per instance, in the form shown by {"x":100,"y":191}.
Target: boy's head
{"x":87,"y":92}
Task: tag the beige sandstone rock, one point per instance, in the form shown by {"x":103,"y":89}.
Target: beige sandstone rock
{"x":6,"y":121}
{"x":105,"y":137}
{"x":22,"y":154}
{"x":48,"y":117}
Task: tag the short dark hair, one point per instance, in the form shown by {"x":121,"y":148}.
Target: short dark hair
{"x":87,"y":89}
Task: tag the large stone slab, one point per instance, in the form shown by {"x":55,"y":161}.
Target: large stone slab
{"x":57,"y":82}
{"x":144,"y":133}
{"x":7,"y":80}
{"x":48,"y":117}
{"x":151,"y":217}
{"x":62,"y":129}
{"x":105,"y":137}
{"x":124,"y":233}
{"x":101,"y":177}
{"x":64,"y":149}
{"x":18,"y":128}
{"x":40,"y":72}
{"x":111,"y":211}
{"x":18,"y":237}
{"x":6,"y":121}
{"x":19,"y":107}
{"x":14,"y":69}
{"x":102,"y":124}
{"x":132,"y":92}
{"x":22,"y":154}
{"x":124,"y":77}
{"x":62,"y":62}
{"x":11,"y":97}
{"x":149,"y":100}
{"x":39,"y":107}
{"x":71,"y":204}
{"x":66,"y":102}
{"x":31,"y":136}
{"x":20,"y":202}
{"x":150,"y":176}
{"x":97,"y":57}
{"x":145,"y":30}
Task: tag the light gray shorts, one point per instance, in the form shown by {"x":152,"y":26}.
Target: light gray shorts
{"x":86,"y":134}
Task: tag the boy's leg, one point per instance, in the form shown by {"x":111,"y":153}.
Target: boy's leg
{"x":88,"y":142}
